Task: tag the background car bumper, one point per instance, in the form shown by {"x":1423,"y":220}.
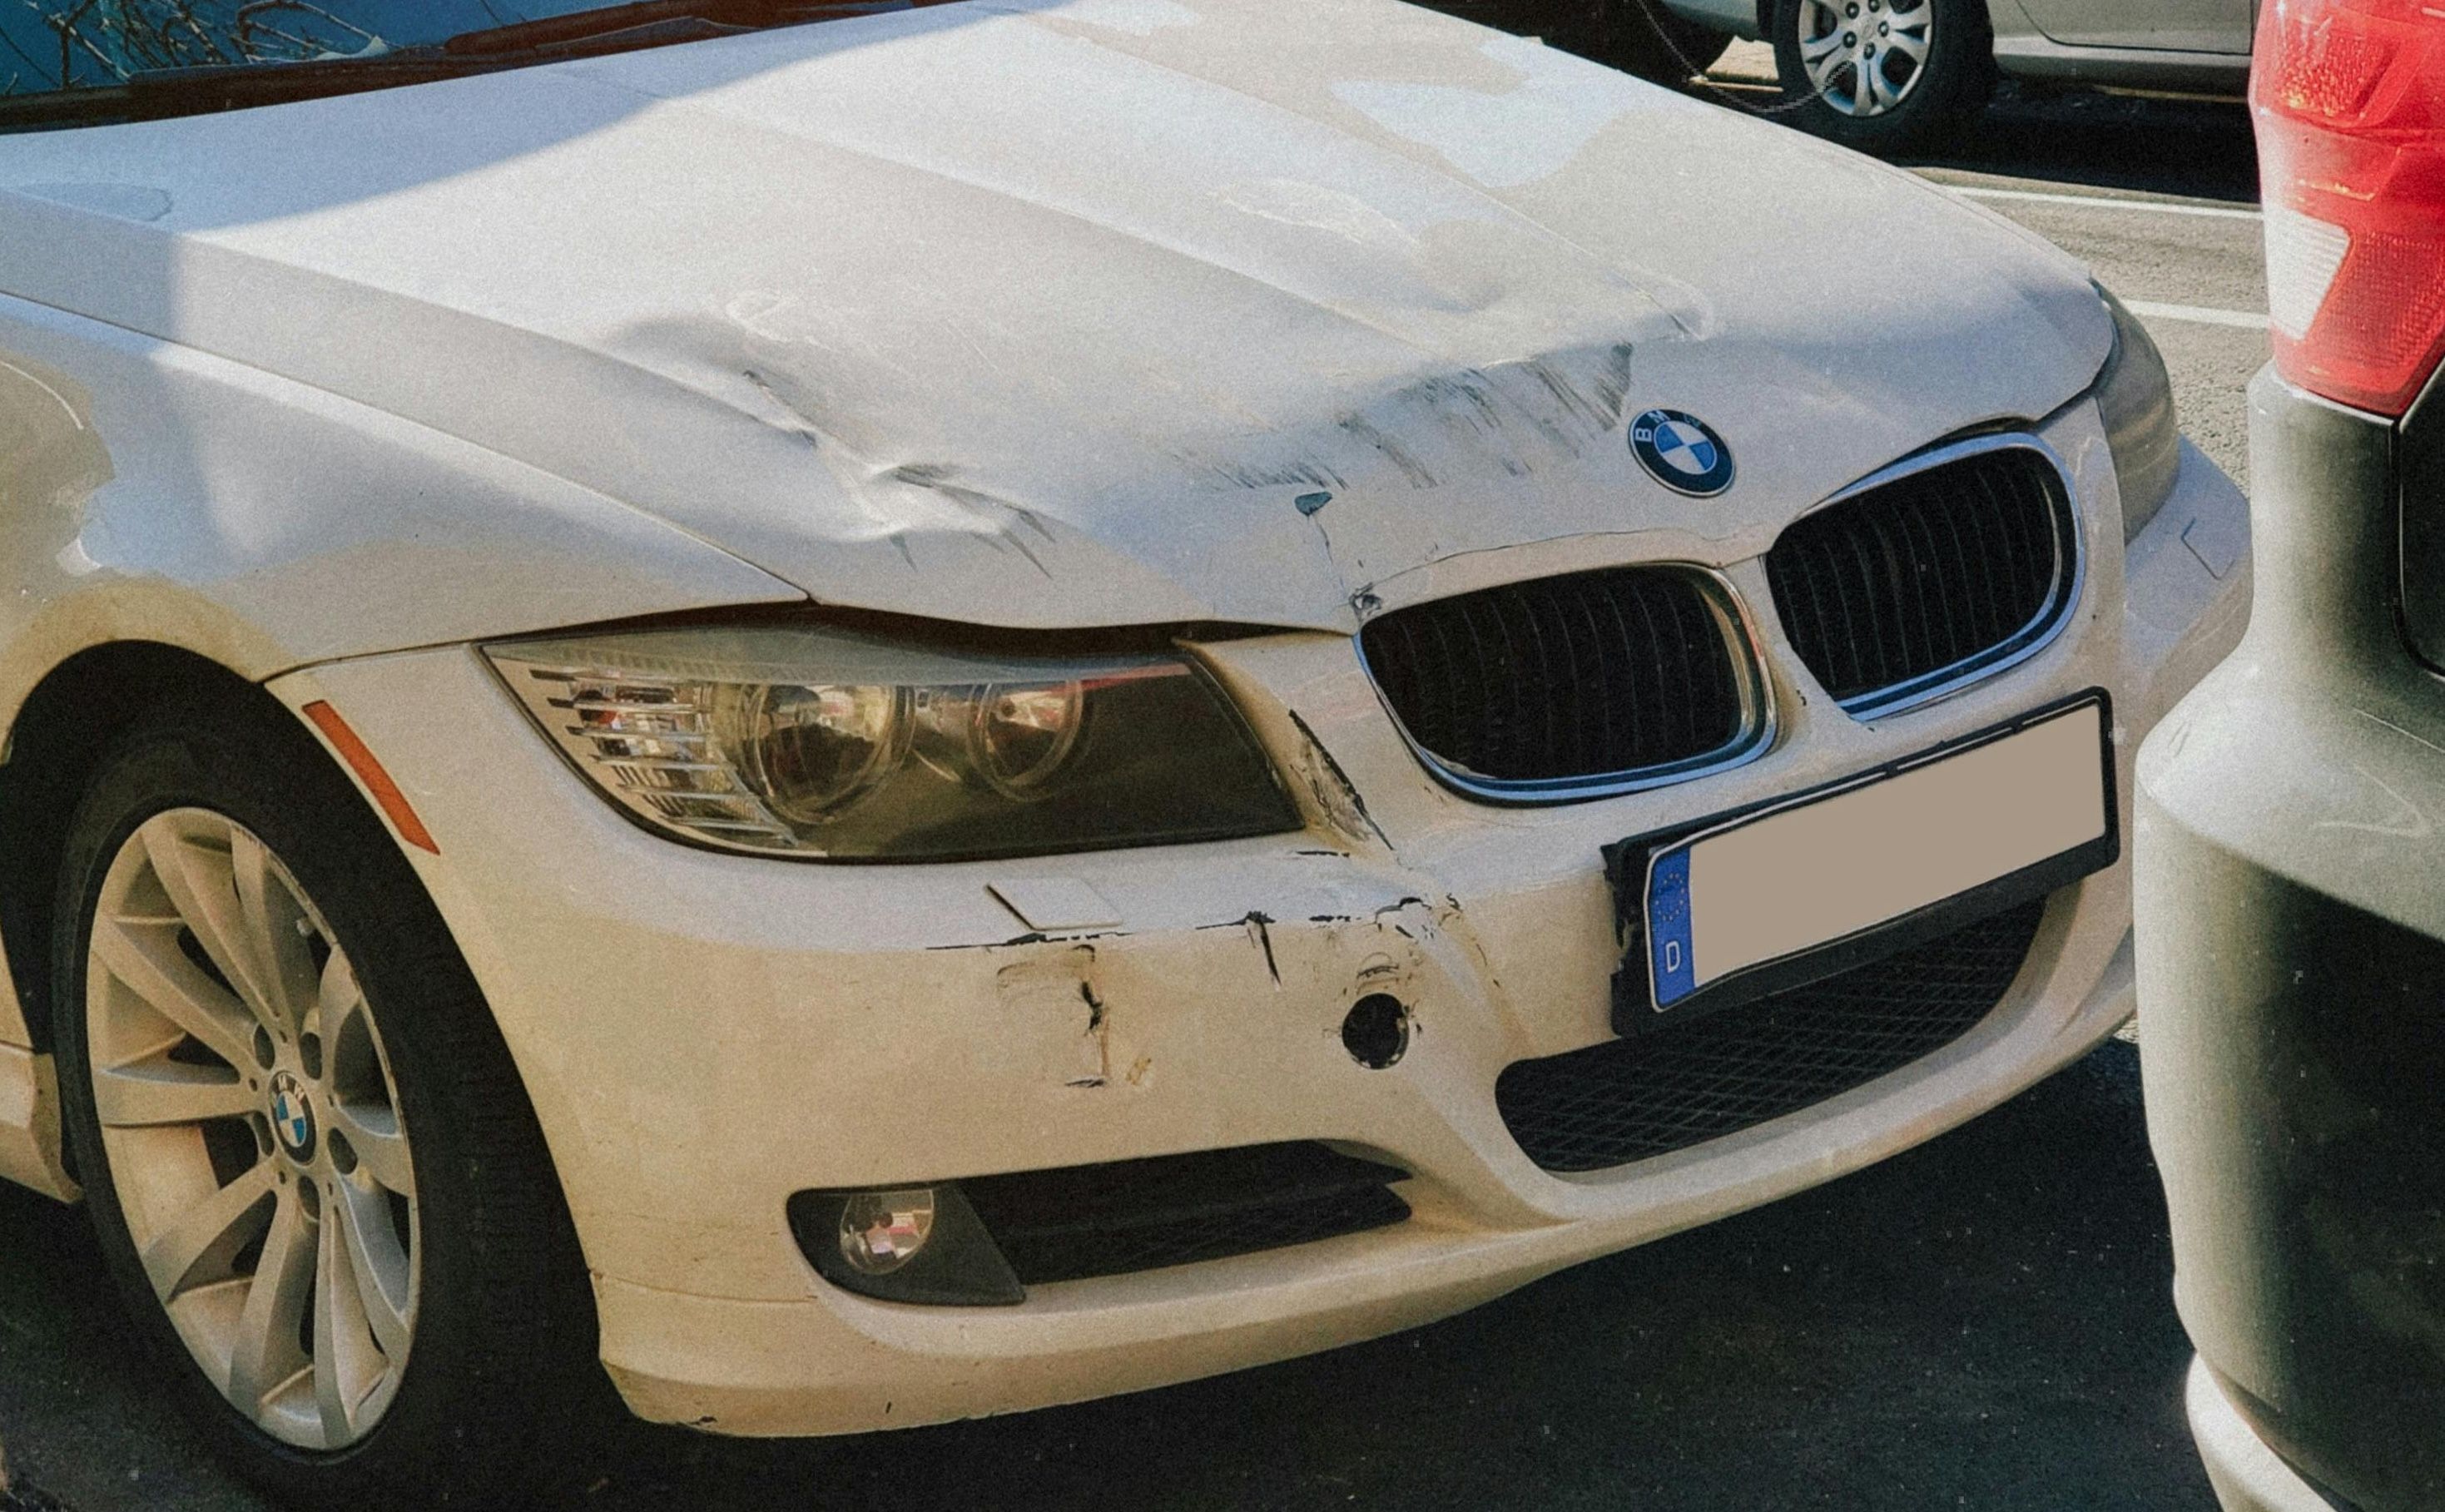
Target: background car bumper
{"x":705,"y":1035}
{"x":2248,"y":1476}
{"x":2292,"y":935}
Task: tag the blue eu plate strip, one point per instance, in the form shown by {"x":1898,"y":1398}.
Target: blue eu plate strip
{"x":1668,"y":929}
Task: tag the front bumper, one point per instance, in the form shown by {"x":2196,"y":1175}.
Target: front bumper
{"x":704,"y":1035}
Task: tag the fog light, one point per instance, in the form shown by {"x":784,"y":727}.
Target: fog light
{"x":904,"y":1245}
{"x":882,"y":1231}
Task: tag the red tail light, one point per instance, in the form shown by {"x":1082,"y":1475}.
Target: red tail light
{"x":2350,"y":101}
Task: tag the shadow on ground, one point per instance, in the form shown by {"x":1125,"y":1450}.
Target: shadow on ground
{"x":2112,"y":143}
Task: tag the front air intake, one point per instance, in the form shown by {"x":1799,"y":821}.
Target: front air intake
{"x":1932,"y":576}
{"x":1627,"y":1100}
{"x":1573,"y":686}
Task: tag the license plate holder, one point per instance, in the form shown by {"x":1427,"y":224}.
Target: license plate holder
{"x":1677,"y":966}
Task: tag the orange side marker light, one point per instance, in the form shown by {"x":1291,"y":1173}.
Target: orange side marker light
{"x":361,"y":760}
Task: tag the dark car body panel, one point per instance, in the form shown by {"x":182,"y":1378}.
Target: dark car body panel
{"x":2290,"y":878}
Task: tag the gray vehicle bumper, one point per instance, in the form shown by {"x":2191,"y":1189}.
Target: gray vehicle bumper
{"x":2290,"y":856}
{"x":2248,"y":1476}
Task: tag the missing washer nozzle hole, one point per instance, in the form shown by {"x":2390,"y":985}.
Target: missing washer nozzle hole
{"x":1376,"y":1032}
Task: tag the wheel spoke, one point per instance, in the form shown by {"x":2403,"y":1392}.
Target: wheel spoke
{"x":272,"y":919}
{"x":1868,"y":94}
{"x":1909,"y":45}
{"x":162,"y":1092}
{"x":376,"y":1267}
{"x":145,"y":956}
{"x":1826,"y":65}
{"x":381,"y":1149}
{"x":203,"y":1243}
{"x":202,"y":886}
{"x":266,"y":1354}
{"x":330,"y":1396}
{"x":337,"y":995}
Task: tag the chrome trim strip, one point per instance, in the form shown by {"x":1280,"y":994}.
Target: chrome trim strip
{"x":1758,"y":724}
{"x":2044,"y":628}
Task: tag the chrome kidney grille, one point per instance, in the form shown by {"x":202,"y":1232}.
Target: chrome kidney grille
{"x":1574,"y":687}
{"x":1934,"y":574}
{"x":1939,"y":571}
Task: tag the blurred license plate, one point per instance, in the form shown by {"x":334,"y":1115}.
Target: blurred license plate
{"x":2028,"y":808}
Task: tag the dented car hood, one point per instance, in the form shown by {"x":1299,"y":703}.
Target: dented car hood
{"x":1082,"y":313}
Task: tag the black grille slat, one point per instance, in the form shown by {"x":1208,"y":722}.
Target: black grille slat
{"x":1122,"y":1216}
{"x":1927,"y":576}
{"x":1632,"y":1099}
{"x":1202,"y":1237}
{"x":1587,"y":677}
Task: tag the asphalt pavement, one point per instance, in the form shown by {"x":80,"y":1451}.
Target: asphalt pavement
{"x":1983,"y":1323}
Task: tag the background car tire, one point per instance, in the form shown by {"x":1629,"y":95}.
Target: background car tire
{"x":501,"y":1359}
{"x":1935,"y":101}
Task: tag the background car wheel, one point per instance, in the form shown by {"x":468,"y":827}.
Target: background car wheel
{"x":1884,"y":76}
{"x":312,"y":1167}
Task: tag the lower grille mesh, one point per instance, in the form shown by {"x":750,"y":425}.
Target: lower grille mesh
{"x":1629,"y":1099}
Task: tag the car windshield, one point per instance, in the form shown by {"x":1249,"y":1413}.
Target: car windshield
{"x":83,"y":62}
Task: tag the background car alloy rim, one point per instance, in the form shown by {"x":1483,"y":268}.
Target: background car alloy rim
{"x":253,"y":1130}
{"x":1864,"y":57}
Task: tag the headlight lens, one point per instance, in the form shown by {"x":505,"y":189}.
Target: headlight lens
{"x":832,"y":745}
{"x":2135,"y":396}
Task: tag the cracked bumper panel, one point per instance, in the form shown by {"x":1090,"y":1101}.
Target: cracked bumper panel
{"x":704,"y":1035}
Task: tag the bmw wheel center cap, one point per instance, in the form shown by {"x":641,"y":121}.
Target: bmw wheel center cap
{"x":1679,"y":451}
{"x":292,"y":1117}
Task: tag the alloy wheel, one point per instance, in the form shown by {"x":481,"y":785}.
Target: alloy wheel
{"x":1864,"y":57}
{"x":253,"y":1131}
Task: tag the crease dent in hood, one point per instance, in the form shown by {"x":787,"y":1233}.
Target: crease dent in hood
{"x":1085,"y":312}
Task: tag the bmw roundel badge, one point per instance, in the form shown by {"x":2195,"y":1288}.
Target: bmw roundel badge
{"x":1679,"y":451}
{"x":292,"y":1116}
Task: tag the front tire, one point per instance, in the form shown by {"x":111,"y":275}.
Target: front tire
{"x":1884,"y":76}
{"x":309,"y":1160}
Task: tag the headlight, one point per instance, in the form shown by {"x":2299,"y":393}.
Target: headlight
{"x":2135,"y":398}
{"x":828,"y":745}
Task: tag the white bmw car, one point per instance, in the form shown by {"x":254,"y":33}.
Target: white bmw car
{"x":1001,"y":702}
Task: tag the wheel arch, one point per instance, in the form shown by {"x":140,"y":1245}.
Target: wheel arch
{"x":59,"y":733}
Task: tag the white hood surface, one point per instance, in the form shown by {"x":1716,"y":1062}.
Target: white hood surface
{"x":1059,"y":314}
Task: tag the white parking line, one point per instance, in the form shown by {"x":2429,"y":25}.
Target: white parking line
{"x":2098,"y":202}
{"x":2197,"y":314}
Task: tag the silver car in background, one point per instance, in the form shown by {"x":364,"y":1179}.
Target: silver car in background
{"x":1903,"y":75}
